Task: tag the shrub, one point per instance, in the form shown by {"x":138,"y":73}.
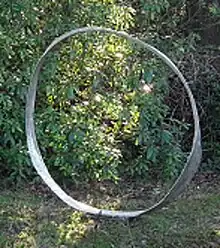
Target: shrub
{"x":27,"y":27}
{"x":106,"y":113}
{"x":101,"y":106}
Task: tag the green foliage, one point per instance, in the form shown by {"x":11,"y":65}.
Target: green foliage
{"x":101,"y":105}
{"x":26,"y":28}
{"x":102,"y":119}
{"x":154,"y":9}
{"x":214,"y":9}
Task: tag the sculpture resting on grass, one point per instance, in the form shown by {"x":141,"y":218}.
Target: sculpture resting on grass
{"x":182,"y":181}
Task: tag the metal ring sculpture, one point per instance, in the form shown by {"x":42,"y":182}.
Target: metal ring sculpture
{"x":179,"y":185}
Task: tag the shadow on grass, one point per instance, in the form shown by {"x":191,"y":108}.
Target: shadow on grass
{"x":27,"y":220}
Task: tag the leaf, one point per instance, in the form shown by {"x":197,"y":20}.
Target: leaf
{"x":71,"y":137}
{"x":151,"y":153}
{"x":70,"y":93}
{"x":76,"y":136}
{"x":148,"y":76}
{"x":166,"y":137}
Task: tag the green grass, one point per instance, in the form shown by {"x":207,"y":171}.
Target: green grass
{"x":28,"y":220}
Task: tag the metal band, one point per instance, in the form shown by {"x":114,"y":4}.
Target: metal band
{"x":182,"y":181}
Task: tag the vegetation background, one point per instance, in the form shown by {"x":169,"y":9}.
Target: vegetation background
{"x":107,"y":112}
{"x":93,"y":120}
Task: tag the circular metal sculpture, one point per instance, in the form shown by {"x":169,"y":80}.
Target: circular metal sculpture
{"x":182,"y":181}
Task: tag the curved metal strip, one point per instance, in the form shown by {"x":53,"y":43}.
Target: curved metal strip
{"x":182,"y":181}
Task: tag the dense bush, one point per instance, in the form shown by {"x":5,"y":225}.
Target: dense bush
{"x":26,"y":29}
{"x":104,"y":108}
{"x":109,"y":120}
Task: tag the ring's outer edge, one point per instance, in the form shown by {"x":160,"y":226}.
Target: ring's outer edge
{"x":181,"y":182}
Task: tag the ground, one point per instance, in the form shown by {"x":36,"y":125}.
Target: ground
{"x":33,"y":217}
